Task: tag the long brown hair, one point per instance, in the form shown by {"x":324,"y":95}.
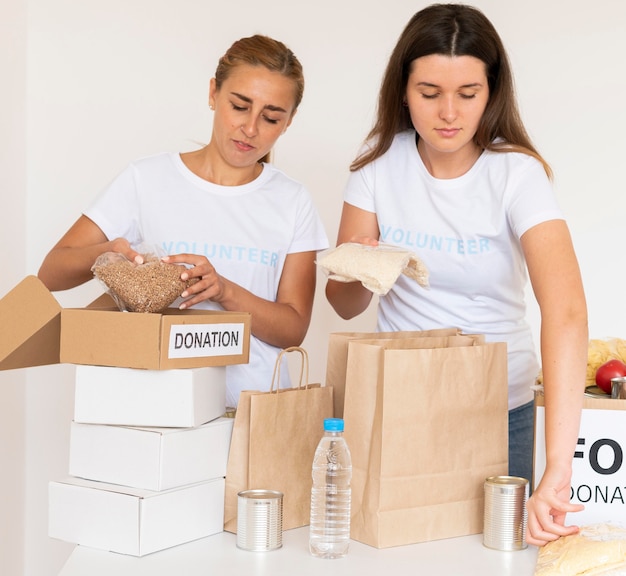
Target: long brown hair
{"x":451,"y":30}
{"x":259,"y":50}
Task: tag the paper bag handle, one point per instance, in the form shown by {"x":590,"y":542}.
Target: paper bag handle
{"x":304,"y":367}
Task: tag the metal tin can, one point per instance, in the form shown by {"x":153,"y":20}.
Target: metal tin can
{"x":505,"y":514}
{"x":618,"y":387}
{"x":259,"y":520}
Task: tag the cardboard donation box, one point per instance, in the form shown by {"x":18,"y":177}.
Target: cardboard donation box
{"x":133,"y":521}
{"x":150,"y":458}
{"x":599,"y":466}
{"x":37,"y":331}
{"x":426,"y":421}
{"x":181,"y":398}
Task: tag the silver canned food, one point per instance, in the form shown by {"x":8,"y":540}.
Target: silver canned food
{"x":505,"y":514}
{"x":259,"y":520}
{"x":618,"y":387}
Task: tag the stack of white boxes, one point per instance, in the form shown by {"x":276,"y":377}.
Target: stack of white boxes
{"x":148,"y":456}
{"x":149,"y":445}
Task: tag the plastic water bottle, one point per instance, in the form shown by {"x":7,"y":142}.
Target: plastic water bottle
{"x":329,"y":535}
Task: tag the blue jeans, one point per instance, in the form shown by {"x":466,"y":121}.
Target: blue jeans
{"x":521,"y":438}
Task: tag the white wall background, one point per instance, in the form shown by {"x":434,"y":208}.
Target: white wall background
{"x":13,"y":261}
{"x":88,"y":86}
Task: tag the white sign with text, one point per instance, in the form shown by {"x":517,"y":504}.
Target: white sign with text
{"x":598,"y":467}
{"x":203,"y":340}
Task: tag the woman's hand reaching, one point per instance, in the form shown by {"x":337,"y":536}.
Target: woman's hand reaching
{"x":547,"y":509}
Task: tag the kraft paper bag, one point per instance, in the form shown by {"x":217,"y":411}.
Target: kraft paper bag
{"x":274,"y":438}
{"x":338,"y":355}
{"x":426,"y":421}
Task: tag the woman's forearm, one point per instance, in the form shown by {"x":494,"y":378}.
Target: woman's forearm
{"x":348,"y":299}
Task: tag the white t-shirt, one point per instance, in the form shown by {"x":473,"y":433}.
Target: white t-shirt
{"x":245,"y":231}
{"x":467,"y":232}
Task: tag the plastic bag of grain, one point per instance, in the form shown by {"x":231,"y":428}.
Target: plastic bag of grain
{"x":148,"y":287}
{"x":376,"y":267}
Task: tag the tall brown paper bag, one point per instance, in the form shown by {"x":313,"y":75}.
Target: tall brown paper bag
{"x":274,"y":438}
{"x":336,"y":361}
{"x":426,"y":421}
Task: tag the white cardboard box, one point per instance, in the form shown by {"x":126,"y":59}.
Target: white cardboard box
{"x":598,"y":466}
{"x":181,"y":398}
{"x":132,"y":521}
{"x":150,"y":458}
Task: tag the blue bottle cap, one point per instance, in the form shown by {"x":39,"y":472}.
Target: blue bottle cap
{"x":333,"y":425}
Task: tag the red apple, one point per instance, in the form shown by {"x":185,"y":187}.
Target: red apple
{"x":611,"y":369}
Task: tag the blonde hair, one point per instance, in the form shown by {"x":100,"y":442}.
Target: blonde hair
{"x":264,"y":51}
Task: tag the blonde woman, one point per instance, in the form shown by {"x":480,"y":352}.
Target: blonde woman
{"x":245,"y":229}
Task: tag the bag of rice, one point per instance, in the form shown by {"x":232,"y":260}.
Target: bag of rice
{"x":376,"y":267}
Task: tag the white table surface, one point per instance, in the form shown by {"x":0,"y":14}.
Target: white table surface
{"x":219,"y":554}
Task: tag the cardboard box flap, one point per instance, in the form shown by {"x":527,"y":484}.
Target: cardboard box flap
{"x":102,"y":302}
{"x":30,"y":320}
